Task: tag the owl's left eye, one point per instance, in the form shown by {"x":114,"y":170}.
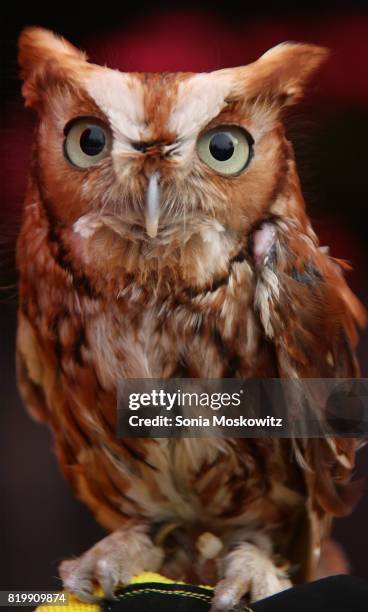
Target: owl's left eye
{"x":227,"y":149}
{"x":87,"y":141}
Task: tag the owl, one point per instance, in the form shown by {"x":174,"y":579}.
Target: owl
{"x":165,"y":235}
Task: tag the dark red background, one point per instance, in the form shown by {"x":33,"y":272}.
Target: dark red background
{"x":40,"y":521}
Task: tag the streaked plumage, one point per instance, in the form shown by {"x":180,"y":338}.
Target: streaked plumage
{"x":225,"y":278}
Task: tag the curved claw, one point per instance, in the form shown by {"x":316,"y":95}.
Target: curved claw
{"x":87,"y":597}
{"x":112,"y":561}
{"x":108,"y":585}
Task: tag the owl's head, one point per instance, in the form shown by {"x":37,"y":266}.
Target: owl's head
{"x":151,"y":155}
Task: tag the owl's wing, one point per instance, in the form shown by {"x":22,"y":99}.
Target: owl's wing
{"x":30,"y":370}
{"x":306,"y":308}
{"x":311,"y":317}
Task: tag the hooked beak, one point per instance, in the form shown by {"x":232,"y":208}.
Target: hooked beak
{"x":153,"y":205}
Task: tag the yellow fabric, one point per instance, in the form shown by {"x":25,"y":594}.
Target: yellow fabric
{"x":75,"y":605}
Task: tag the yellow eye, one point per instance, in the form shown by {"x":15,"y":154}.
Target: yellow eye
{"x":87,"y":141}
{"x":226,"y":148}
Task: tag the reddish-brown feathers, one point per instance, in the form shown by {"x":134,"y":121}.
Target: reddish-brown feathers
{"x":100,"y":301}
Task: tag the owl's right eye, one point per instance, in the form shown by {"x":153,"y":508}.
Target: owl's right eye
{"x":227,"y":149}
{"x":87,"y":141}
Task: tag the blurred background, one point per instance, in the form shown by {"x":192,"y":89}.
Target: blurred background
{"x":40,"y":521}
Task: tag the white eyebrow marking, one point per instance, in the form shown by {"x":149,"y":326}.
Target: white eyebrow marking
{"x":121,"y":97}
{"x":200,"y":98}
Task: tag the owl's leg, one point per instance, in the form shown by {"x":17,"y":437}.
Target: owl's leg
{"x":248,"y":571}
{"x":112,"y":561}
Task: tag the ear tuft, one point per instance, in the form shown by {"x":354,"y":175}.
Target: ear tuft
{"x":37,"y":49}
{"x":278,"y":76}
{"x":289,"y":67}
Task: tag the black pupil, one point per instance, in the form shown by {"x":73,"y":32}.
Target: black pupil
{"x":222,"y":146}
{"x":92,"y":140}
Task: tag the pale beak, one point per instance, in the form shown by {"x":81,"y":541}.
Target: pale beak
{"x":153,"y":204}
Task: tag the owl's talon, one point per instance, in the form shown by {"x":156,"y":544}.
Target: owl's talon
{"x":228,"y":593}
{"x":108,"y":586}
{"x":87,"y":597}
{"x":112,"y":561}
{"x":249,"y":571}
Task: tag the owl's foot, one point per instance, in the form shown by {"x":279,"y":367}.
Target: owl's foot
{"x":248,"y":572}
{"x":112,"y":561}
